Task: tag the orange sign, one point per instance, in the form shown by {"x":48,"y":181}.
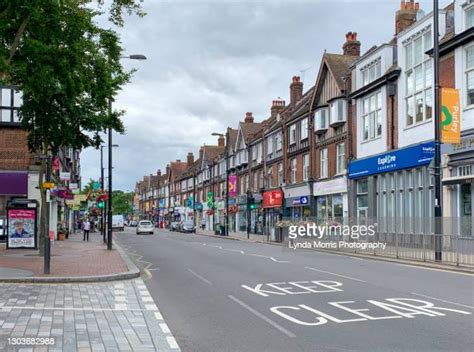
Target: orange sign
{"x":450,"y":116}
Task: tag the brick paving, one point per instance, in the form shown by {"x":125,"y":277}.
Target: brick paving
{"x":112,"y":316}
{"x":70,"y":258}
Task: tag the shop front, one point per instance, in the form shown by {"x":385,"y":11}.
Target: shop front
{"x":232,"y":217}
{"x":12,"y":185}
{"x":394,"y":190}
{"x":331,"y":200}
{"x":242,"y":213}
{"x":298,"y":202}
{"x":273,"y":210}
{"x":256,"y":215}
{"x":458,"y":186}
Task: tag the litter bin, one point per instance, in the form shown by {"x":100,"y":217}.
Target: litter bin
{"x":217,"y":230}
{"x":223,"y":230}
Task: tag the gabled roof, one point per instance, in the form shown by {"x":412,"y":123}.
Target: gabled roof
{"x":177,"y":168}
{"x":302,"y":106}
{"x":212,"y":152}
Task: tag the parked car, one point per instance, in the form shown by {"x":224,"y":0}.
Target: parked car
{"x":187,"y":226}
{"x":145,"y":226}
{"x":174,"y":226}
{"x":118,"y":222}
{"x":133,"y":223}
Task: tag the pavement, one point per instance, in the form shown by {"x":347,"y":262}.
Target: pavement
{"x":84,"y":317}
{"x":221,"y":295}
{"x":72,"y":260}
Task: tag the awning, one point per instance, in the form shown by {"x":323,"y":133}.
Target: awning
{"x":458,"y":180}
{"x":14,"y":183}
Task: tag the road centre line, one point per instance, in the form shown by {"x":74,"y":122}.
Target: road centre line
{"x":263,"y":317}
{"x":200,"y":277}
{"x":328,"y":272}
{"x":443,"y":300}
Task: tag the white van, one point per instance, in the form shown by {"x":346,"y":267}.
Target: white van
{"x":117,"y":222}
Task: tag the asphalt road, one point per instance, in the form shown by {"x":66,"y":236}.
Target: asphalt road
{"x":223,"y":295}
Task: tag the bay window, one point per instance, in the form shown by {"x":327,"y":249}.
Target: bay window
{"x":372,"y":116}
{"x":324,"y":163}
{"x":470,"y":74}
{"x":338,"y":111}
{"x":419,"y":78}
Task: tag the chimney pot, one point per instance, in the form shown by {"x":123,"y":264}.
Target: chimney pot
{"x":352,"y":46}
{"x":277,"y":107}
{"x":406,"y":16}
{"x":296,"y":90}
{"x":248,"y":117}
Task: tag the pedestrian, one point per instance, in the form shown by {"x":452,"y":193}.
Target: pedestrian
{"x":86,"y":227}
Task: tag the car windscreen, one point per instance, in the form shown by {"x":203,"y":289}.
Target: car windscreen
{"x":188,"y":223}
{"x":145,"y":223}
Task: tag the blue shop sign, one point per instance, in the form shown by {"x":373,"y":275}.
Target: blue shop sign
{"x":410,"y":157}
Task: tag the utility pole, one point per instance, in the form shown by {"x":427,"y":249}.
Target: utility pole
{"x":438,"y":211}
{"x":226,"y":229}
{"x":103,"y":212}
{"x":109,"y":209}
{"x":47,"y":241}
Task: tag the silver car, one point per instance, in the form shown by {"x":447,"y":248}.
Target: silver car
{"x":145,"y":226}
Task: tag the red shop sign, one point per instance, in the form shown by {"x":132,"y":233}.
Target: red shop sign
{"x":273,"y":199}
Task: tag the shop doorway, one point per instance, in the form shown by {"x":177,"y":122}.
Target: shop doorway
{"x":466,"y":220}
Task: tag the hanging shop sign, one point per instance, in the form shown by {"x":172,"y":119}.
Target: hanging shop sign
{"x":232,"y":185}
{"x":273,"y":199}
{"x":410,"y":157}
{"x":450,"y":116}
{"x":65,"y":176}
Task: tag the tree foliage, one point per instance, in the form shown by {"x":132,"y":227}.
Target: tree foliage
{"x":122,"y":202}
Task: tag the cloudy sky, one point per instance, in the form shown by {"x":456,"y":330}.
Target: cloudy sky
{"x":210,"y":61}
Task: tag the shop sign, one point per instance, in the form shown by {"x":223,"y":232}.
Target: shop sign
{"x":242,"y":199}
{"x":466,"y":145}
{"x":221,"y":205}
{"x":302,"y":201}
{"x":161,"y":203}
{"x":65,"y":176}
{"x":171,"y":210}
{"x":258,"y":198}
{"x":410,"y":157}
{"x":450,"y":116}
{"x":73,"y":186}
{"x":210,"y":199}
{"x":21,"y":231}
{"x":231,"y":201}
{"x":273,"y":199}
{"x":337,"y":185}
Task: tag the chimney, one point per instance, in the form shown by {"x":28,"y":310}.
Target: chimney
{"x":277,"y":106}
{"x":296,"y":90}
{"x":352,"y":46}
{"x":168,"y":170}
{"x":190,"y":159}
{"x":221,"y":141}
{"x":406,"y":16}
{"x":158,"y":173}
{"x":201,"y":152}
{"x":178,"y":161}
{"x":248,"y":117}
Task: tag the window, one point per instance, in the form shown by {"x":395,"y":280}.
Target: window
{"x":280,"y":173}
{"x":372,"y":72}
{"x":362,"y":201}
{"x":341,"y":158}
{"x":470,"y":17}
{"x":257,"y":152}
{"x":324,"y":163}
{"x":304,"y":129}
{"x":260,"y":179}
{"x":372,"y":116}
{"x":338,"y":113}
{"x":255,"y":181}
{"x":10,"y":101}
{"x":464,"y":170}
{"x":270,"y":145}
{"x":305,"y":167}
{"x":293,"y":170}
{"x":470,"y":74}
{"x":321,"y":119}
{"x":278,"y":144}
{"x":292,"y":130}
{"x":419,"y":78}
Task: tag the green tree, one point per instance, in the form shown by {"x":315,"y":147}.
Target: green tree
{"x":122,"y":202}
{"x":68,"y":69}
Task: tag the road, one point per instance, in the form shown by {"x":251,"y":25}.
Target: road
{"x":223,"y":295}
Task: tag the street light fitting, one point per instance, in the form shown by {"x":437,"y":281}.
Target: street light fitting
{"x":217,"y":134}
{"x":134,"y":57}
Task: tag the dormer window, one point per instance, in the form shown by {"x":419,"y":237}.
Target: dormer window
{"x":338,"y":113}
{"x":371,"y":71}
{"x":470,"y":17}
{"x":321,"y":118}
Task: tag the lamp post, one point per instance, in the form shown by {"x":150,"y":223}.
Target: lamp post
{"x":438,"y":211}
{"x":226,"y":156}
{"x":109,"y":209}
{"x":102,"y":184}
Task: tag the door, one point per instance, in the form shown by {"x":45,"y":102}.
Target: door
{"x":465,"y":208}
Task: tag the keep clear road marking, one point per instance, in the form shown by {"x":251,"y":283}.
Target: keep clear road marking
{"x":443,"y":300}
{"x":328,"y":272}
{"x":200,"y":277}
{"x":263,"y":317}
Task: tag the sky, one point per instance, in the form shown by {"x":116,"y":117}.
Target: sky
{"x":211,"y":61}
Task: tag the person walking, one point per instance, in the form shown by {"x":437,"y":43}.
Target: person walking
{"x":86,"y":227}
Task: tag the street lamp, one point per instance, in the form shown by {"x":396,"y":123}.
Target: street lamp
{"x":109,"y":209}
{"x":103,"y":211}
{"x":226,"y":156}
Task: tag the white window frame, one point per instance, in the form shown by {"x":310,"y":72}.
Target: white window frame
{"x":467,"y":71}
{"x":468,"y":10}
{"x":292,"y":134}
{"x":320,"y":116}
{"x":270,"y":145}
{"x":306,"y":167}
{"x":304,"y":129}
{"x":340,"y":158}
{"x":426,"y":90}
{"x":324,"y":163}
{"x":280,"y":173}
{"x":278,"y":142}
{"x":294,"y":167}
{"x":371,"y":112}
{"x":335,"y":114}
{"x":374,"y":69}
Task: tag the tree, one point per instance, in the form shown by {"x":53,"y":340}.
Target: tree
{"x":68,"y":69}
{"x":122,"y":202}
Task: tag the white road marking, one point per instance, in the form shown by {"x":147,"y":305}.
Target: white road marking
{"x":121,"y":306}
{"x":279,"y":261}
{"x":172,"y":342}
{"x":158,"y":316}
{"x":443,"y":300}
{"x":328,"y":272}
{"x":164,"y":327}
{"x":263,"y":317}
{"x":200,"y":277}
{"x":151,"y":307}
{"x":435,"y":269}
{"x":119,"y":292}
